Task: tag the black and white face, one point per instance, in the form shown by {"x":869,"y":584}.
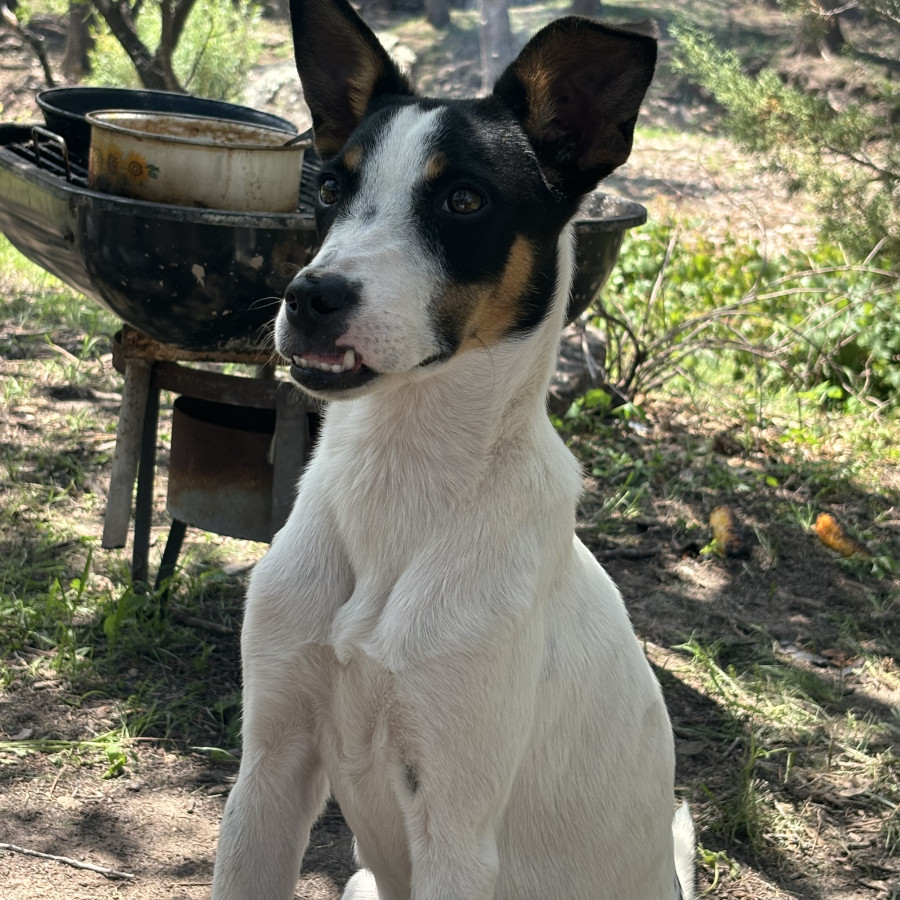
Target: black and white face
{"x":440,"y":221}
{"x":438,"y":234}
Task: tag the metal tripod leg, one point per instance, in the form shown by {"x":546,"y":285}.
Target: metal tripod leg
{"x":170,"y":555}
{"x":143,"y":507}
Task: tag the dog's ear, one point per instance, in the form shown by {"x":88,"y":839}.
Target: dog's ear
{"x":342,"y":67}
{"x":577,"y":87}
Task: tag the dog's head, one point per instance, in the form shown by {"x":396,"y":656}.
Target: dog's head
{"x":440,"y":220}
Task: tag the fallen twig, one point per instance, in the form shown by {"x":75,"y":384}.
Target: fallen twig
{"x":102,"y":870}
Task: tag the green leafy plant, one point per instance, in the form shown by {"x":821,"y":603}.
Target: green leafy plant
{"x":217,"y":49}
{"x":818,"y":321}
{"x":848,"y":161}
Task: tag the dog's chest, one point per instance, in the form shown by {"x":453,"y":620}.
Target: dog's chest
{"x":364,"y":716}
{"x":368,"y":747}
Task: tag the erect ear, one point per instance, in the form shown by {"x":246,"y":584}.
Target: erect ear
{"x":342,"y":67}
{"x":577,"y":88}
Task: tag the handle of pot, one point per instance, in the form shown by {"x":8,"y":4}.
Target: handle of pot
{"x":38,"y":132}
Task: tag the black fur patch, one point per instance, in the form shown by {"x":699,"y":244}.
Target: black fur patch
{"x":411,"y":777}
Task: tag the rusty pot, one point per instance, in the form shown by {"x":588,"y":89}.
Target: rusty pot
{"x":194,"y":161}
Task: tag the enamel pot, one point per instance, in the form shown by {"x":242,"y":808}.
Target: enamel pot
{"x":195,"y":161}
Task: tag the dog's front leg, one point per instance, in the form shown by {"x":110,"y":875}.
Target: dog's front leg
{"x":282,"y":786}
{"x":472,"y":716}
{"x":280,"y":792}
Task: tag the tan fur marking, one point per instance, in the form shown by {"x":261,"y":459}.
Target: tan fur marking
{"x":361,"y":85}
{"x":539,"y":89}
{"x":326,"y":144}
{"x":435,"y":166}
{"x":495,"y":307}
{"x":353,"y":157}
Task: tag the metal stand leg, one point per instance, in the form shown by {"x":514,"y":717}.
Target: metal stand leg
{"x":170,"y":555}
{"x":127,"y":452}
{"x":143,"y":508}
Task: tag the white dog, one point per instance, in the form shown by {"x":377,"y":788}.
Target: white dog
{"x":426,"y":639}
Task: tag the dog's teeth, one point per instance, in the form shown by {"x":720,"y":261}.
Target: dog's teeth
{"x":347,"y":362}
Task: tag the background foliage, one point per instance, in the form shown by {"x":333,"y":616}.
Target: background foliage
{"x":814,"y":321}
{"x":216,"y":51}
{"x":847,"y":159}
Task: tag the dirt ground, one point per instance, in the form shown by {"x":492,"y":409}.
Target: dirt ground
{"x":159,"y":822}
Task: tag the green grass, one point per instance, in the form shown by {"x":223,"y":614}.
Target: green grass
{"x":69,"y":611}
{"x":792,"y":739}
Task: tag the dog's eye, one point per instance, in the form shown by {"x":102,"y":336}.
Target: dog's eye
{"x":464,"y":201}
{"x":329,"y":191}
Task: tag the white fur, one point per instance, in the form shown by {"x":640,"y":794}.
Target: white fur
{"x":428,"y":640}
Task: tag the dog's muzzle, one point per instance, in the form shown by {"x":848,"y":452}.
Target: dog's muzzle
{"x":317,"y":307}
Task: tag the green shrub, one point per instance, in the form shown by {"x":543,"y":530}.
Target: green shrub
{"x":216,"y":51}
{"x":26,"y":10}
{"x":816,"y":322}
{"x":848,"y":161}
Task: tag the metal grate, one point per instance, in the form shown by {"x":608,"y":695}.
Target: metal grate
{"x":51,"y":155}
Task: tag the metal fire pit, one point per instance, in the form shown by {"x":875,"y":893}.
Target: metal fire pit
{"x":238,"y":446}
{"x":197,"y":279}
{"x":229,"y":490}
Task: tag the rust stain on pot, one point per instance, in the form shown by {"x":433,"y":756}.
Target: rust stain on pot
{"x":194,"y":161}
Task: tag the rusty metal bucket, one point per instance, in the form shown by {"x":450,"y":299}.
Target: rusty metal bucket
{"x":222,"y":470}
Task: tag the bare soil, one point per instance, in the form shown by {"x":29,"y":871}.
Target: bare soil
{"x":158,"y":820}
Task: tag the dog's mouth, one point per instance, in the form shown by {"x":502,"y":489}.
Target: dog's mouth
{"x":337,"y":371}
{"x":341,"y":370}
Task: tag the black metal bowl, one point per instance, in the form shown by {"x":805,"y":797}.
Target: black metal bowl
{"x":65,"y":108}
{"x":600,"y":227}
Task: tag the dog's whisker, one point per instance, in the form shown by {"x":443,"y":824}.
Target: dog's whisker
{"x":265,"y":337}
{"x":263,"y":302}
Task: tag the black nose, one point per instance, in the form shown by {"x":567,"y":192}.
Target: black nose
{"x":313,"y":298}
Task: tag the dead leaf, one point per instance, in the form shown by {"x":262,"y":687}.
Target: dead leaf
{"x":834,"y":536}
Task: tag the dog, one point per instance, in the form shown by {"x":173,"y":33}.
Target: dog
{"x":426,"y":639}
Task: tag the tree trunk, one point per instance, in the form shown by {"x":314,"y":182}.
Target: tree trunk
{"x":438,"y":12}
{"x":154,"y":69}
{"x":79,"y":41}
{"x":174,"y":16}
{"x":496,"y":40}
{"x":820,"y":30}
{"x":833,"y":39}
